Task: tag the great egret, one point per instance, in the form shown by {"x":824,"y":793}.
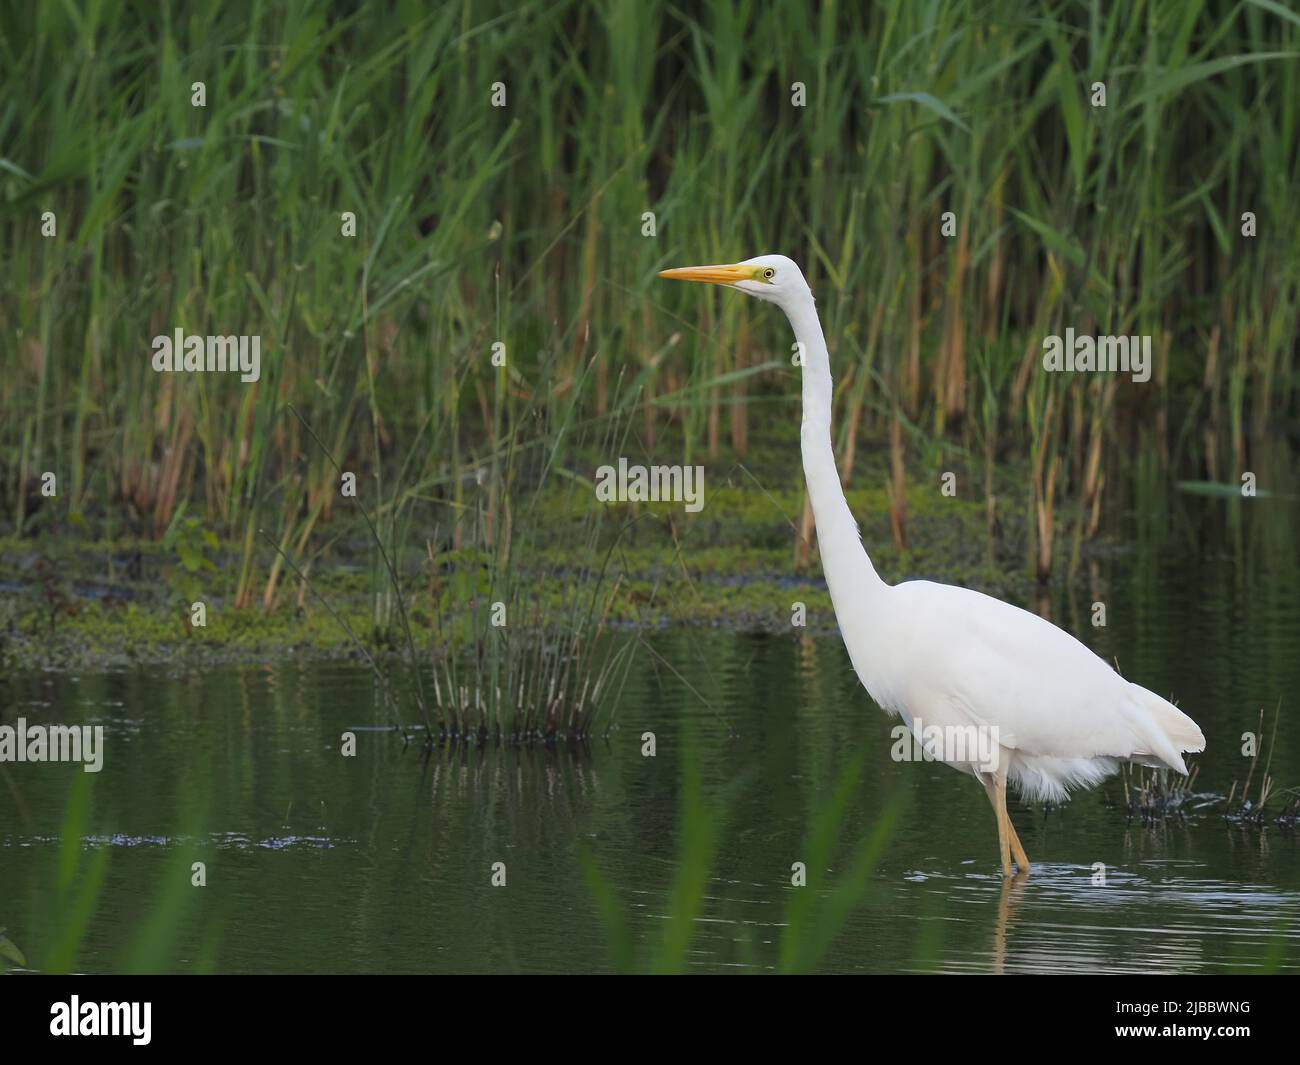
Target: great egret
{"x":951,"y":661}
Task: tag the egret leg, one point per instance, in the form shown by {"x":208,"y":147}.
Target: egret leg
{"x":996,"y":787}
{"x":1018,"y":850}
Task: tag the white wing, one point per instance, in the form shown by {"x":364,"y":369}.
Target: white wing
{"x":953,"y":656}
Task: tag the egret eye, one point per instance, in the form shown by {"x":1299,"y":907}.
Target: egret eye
{"x":768,"y":274}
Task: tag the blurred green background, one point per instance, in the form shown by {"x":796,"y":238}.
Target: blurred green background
{"x":527,"y":224}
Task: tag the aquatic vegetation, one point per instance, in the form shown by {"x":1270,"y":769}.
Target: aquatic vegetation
{"x":1240,"y":808}
{"x":506,"y":665}
{"x":1152,"y":794}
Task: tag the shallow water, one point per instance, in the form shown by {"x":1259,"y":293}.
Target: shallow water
{"x":383,"y":862}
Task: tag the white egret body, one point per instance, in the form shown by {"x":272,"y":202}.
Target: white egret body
{"x":937,"y":655}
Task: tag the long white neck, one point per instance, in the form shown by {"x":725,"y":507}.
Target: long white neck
{"x":849,"y":572}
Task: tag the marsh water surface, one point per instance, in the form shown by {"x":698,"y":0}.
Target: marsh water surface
{"x":383,"y":862}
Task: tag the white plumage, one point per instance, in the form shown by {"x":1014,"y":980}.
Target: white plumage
{"x":951,"y":658}
{"x":959,"y":657}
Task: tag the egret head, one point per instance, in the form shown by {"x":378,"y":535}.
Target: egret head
{"x":769,"y":277}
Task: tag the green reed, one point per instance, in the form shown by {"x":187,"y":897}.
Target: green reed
{"x":524,"y":225}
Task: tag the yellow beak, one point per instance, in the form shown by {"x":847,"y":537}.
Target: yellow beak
{"x":716,"y":275}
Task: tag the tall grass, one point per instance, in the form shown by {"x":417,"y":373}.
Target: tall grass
{"x":814,"y":914}
{"x":157,"y":941}
{"x":524,"y":224}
